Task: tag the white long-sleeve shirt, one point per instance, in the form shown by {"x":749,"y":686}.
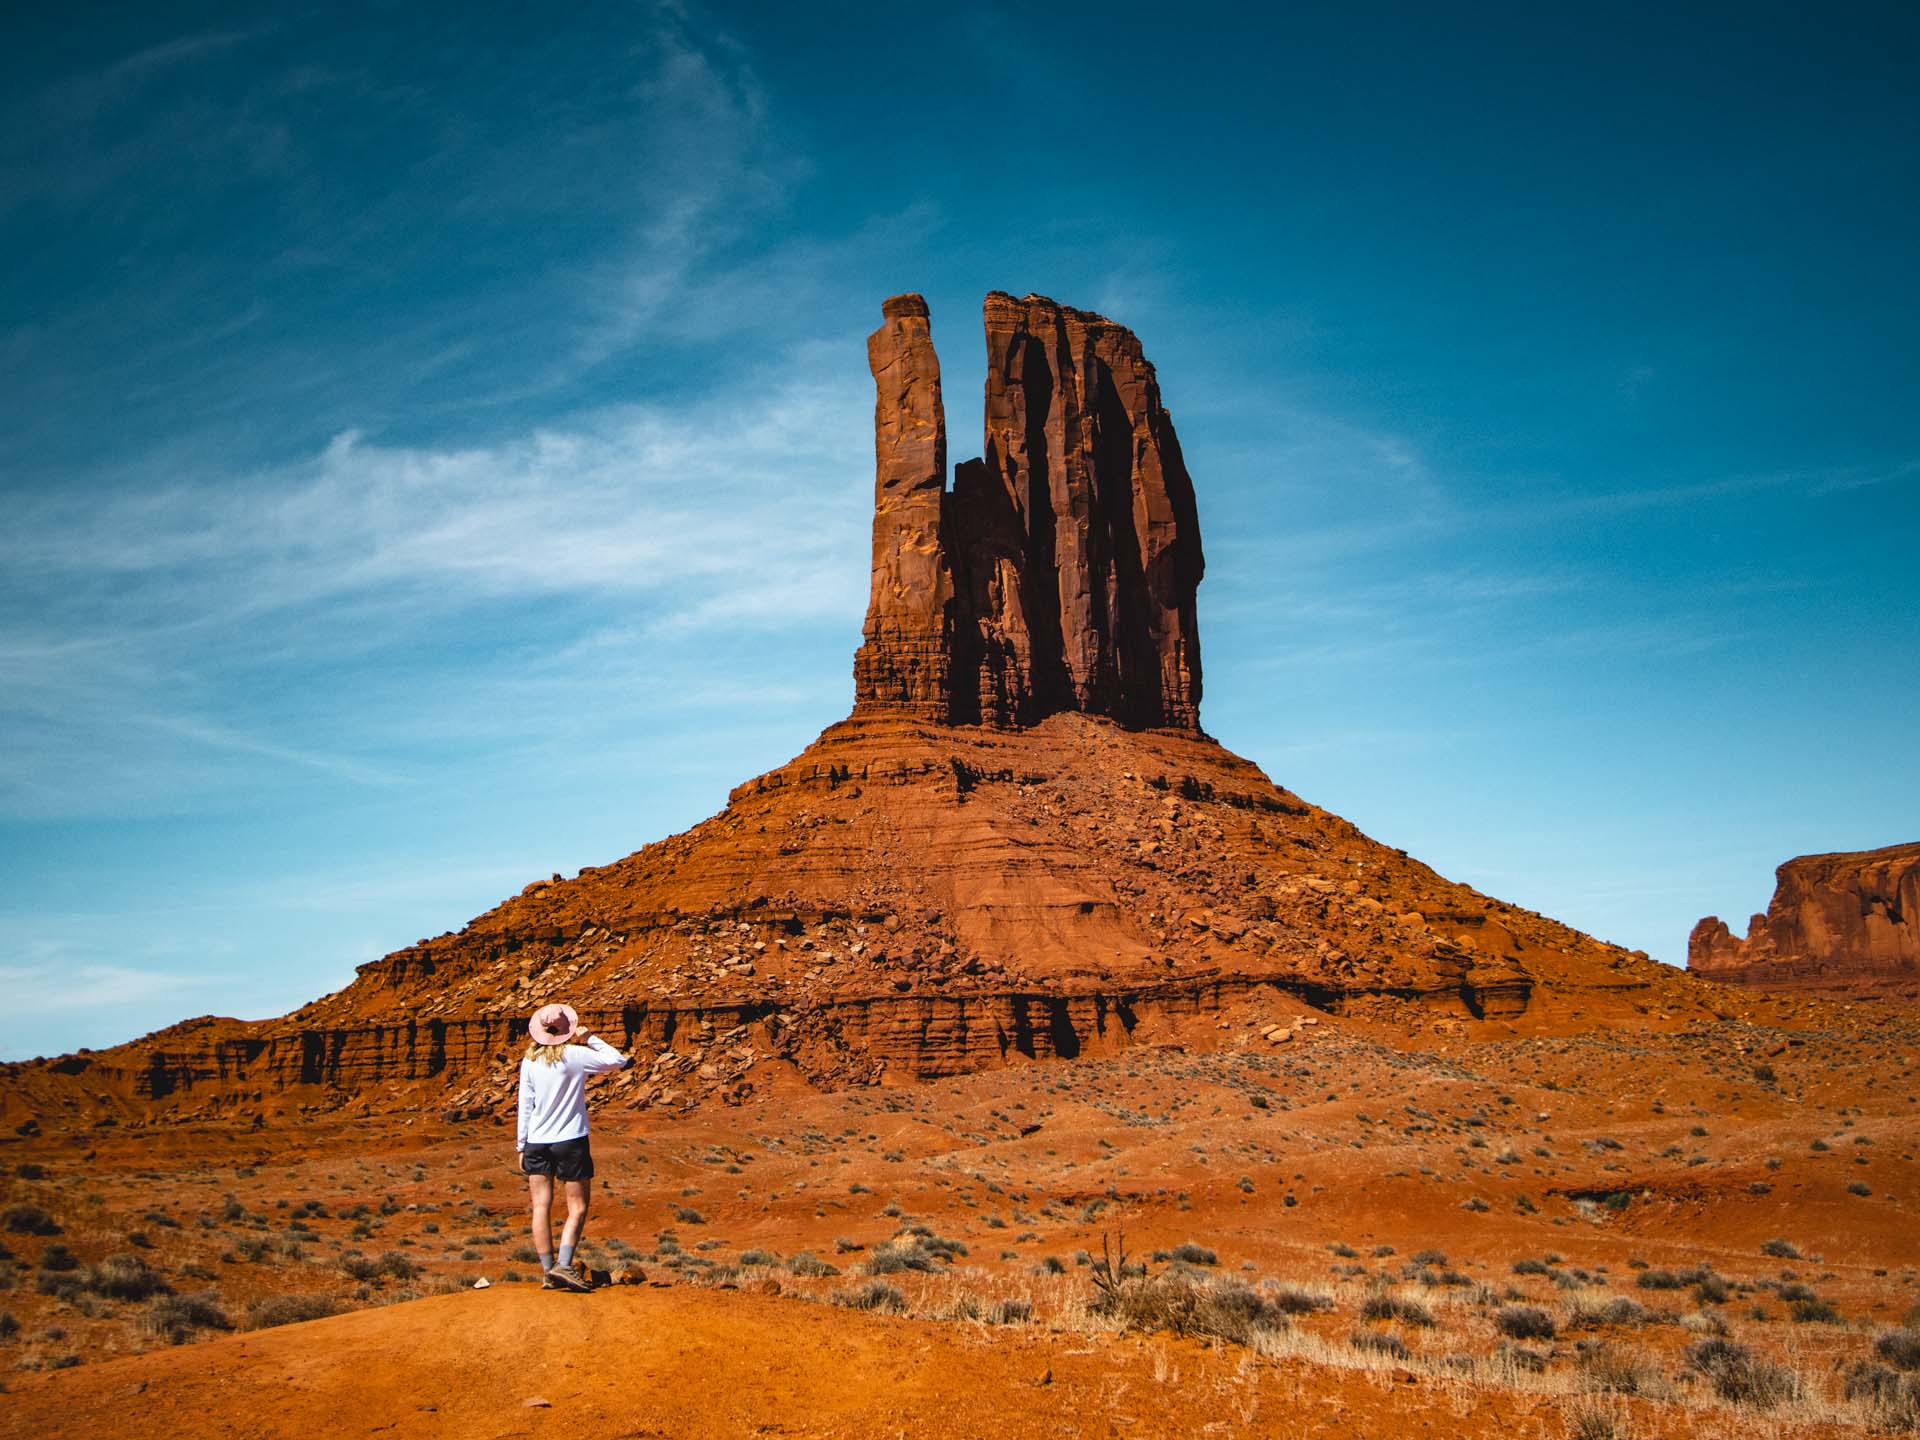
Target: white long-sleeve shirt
{"x":553,"y":1098}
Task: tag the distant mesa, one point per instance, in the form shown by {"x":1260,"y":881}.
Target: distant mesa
{"x":1844,"y":926}
{"x":1059,"y":572}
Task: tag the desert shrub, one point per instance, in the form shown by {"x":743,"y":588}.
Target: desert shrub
{"x":1705,"y":1322}
{"x":58,"y":1257}
{"x":1620,"y":1310}
{"x":687,"y":1215}
{"x":758,"y":1257}
{"x":1222,"y":1309}
{"x":24,"y":1219}
{"x":1376,"y":1343}
{"x":1428,"y":1257}
{"x":124,"y":1277}
{"x":808,"y":1267}
{"x":1592,"y":1422}
{"x":1859,"y":1188}
{"x":1009,"y":1312}
{"x":9,"y":1327}
{"x":1891,"y":1398}
{"x":290,"y":1310}
{"x":1343,"y":1251}
{"x":389,"y":1263}
{"x":1383,"y":1306}
{"x":27,"y":1170}
{"x":1710,"y":1289}
{"x":1737,"y":1374}
{"x":1780,"y":1249}
{"x":1794,"y":1290}
{"x":1619,"y":1371}
{"x":1519,"y":1357}
{"x":874,"y":1295}
{"x":893,"y":1258}
{"x":1525,"y":1322}
{"x":1899,"y":1348}
{"x":1192,"y":1254}
{"x":1814,"y":1312}
{"x":1292,"y":1300}
{"x":178,"y":1316}
{"x":1663,"y":1280}
{"x":1531,"y":1267}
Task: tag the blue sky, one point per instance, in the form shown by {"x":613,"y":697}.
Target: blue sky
{"x":435,"y":441}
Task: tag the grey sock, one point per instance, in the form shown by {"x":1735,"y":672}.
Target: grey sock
{"x":566,"y":1255}
{"x":546,"y":1263}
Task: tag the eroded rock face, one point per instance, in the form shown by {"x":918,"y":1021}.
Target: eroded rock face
{"x":1060,"y":572}
{"x":1845,"y":924}
{"x":906,"y":660}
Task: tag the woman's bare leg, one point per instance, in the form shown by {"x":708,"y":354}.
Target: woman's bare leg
{"x":540,"y":1192}
{"x":579,"y":1196}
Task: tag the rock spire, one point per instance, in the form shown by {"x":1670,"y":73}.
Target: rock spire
{"x":1059,"y":572}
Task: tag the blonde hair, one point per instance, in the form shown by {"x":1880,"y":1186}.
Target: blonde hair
{"x":546,"y":1054}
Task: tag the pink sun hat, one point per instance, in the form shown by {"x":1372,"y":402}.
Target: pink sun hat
{"x":554,"y":1024}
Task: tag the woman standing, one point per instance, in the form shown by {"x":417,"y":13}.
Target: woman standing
{"x":552,"y":1141}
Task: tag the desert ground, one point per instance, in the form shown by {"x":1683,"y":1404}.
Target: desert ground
{"x":1695,"y":1223}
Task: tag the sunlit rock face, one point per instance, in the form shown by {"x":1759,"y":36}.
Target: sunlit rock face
{"x":1845,"y":924}
{"x":1059,"y":573}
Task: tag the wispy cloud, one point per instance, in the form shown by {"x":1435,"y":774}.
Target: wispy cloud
{"x":144,"y":609}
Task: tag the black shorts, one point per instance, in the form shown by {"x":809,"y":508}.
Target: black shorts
{"x":562,"y":1160}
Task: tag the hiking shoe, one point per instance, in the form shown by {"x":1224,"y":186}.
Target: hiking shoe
{"x":547,"y":1282}
{"x":569,"y":1277}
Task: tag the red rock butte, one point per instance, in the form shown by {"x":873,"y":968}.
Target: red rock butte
{"x":1019,"y":846}
{"x":1059,"y":571}
{"x":1843,"y":926}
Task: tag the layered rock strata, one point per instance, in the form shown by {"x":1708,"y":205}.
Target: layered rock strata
{"x":913,"y":897}
{"x":1842,"y":925}
{"x":1060,"y":571}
